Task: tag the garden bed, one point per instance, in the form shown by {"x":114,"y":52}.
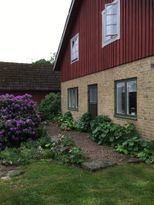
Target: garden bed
{"x":92,"y":150}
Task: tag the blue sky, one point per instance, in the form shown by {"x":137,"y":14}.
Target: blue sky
{"x":31,"y":29}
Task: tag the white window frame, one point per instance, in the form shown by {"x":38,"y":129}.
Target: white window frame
{"x":73,"y":60}
{"x":73,"y":103}
{"x":126,"y":100}
{"x":115,"y":37}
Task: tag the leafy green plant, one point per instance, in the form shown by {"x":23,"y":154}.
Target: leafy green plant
{"x":125,"y":139}
{"x":84,"y":122}
{"x":63,"y":149}
{"x":76,"y":156}
{"x":67,"y":141}
{"x":67,"y":122}
{"x":24,"y":155}
{"x":101,"y":119}
{"x":73,"y":155}
{"x":101,"y":134}
{"x":151,"y":147}
{"x":147,"y":154}
{"x":50,"y":106}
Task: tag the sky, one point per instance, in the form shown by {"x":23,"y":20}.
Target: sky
{"x":31,"y":29}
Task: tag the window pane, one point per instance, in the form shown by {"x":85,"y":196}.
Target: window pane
{"x":111,"y":19}
{"x":121,"y":96}
{"x":111,"y":30}
{"x":112,"y":9}
{"x":75,"y":48}
{"x":73,"y":98}
{"x":93,"y":94}
{"x":69,"y":97}
{"x":131,"y":98}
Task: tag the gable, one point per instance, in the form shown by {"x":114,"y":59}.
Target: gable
{"x":135,"y":42}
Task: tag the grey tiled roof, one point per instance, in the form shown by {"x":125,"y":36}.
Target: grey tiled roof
{"x":19,"y":76}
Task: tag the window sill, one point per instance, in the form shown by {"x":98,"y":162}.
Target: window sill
{"x":105,"y":43}
{"x":75,"y":60}
{"x":73,"y":109}
{"x":126,"y":117}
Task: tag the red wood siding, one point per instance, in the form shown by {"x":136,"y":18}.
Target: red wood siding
{"x":136,"y":41}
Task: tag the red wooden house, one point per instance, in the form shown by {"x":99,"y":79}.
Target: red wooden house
{"x":106,"y":58}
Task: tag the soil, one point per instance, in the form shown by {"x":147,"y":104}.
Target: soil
{"x":92,"y":150}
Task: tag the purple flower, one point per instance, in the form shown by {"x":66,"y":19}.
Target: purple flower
{"x":19,"y":119}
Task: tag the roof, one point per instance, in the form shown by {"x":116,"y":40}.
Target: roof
{"x":19,"y":76}
{"x":72,"y":14}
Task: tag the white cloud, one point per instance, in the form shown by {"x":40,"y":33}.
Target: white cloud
{"x":31,"y":29}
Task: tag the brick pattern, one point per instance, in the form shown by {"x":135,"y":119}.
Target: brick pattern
{"x":142,"y":69}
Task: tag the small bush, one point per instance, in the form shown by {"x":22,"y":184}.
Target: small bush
{"x":67,"y":122}
{"x":131,"y":146}
{"x":67,"y":116}
{"x":147,"y":154}
{"x":125,"y":139}
{"x":73,"y":156}
{"x":63,"y":149}
{"x":68,"y":142}
{"x":19,"y":120}
{"x":50,"y":106}
{"x":101,"y":119}
{"x":101,"y":134}
{"x":84,"y":122}
{"x":27,"y":152}
{"x":76,"y":156}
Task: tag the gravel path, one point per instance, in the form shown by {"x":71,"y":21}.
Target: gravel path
{"x":92,"y":150}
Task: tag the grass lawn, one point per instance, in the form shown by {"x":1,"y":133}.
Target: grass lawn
{"x":49,"y":183}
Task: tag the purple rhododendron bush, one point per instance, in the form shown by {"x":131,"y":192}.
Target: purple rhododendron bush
{"x":19,"y":120}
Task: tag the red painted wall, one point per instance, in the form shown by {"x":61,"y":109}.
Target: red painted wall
{"x":136,"y":41}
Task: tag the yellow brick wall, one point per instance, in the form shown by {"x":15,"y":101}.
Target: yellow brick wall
{"x":105,"y":81}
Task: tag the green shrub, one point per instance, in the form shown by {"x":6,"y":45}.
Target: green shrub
{"x":119,"y":134}
{"x":27,"y":152}
{"x":73,"y":156}
{"x":125,"y":139}
{"x":101,"y":119}
{"x":50,"y":106}
{"x":67,"y":122}
{"x":76,"y":156}
{"x":132,"y":145}
{"x":147,"y":154}
{"x":63,"y":149}
{"x":67,"y":116}
{"x":84,"y":122}
{"x":68,"y":142}
{"x":151,"y":147}
{"x":101,"y":134}
{"x":104,"y":131}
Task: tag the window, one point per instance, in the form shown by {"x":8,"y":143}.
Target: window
{"x":111,"y":23}
{"x":126,"y":97}
{"x":73,"y":98}
{"x":75,"y":48}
